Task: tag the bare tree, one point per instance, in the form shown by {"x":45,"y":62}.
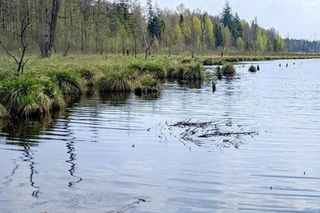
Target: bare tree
{"x":20,"y":61}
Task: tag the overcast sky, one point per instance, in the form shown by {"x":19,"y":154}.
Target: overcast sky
{"x":296,"y":18}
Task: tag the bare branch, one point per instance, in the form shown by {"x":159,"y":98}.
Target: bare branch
{"x":26,"y":61}
{"x":8,"y":52}
{"x":25,"y":28}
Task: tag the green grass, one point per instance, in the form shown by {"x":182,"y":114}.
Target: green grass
{"x":208,"y":62}
{"x":86,"y":74}
{"x":49,"y":84}
{"x":186,"y":71}
{"x":218,"y":60}
{"x":28,"y":97}
{"x":157,"y":68}
{"x":114,"y":82}
{"x":68,"y":83}
{"x":147,"y":84}
{"x":3,"y":112}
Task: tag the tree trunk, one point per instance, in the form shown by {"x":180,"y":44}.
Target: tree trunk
{"x":65,"y":47}
{"x":49,"y":29}
{"x":148,"y":49}
{"x":135,"y":47}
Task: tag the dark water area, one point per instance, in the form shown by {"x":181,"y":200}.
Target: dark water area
{"x":122,"y":155}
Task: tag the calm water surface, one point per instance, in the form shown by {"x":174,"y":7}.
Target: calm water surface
{"x":118,"y":155}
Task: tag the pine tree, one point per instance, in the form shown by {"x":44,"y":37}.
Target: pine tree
{"x":219,"y":36}
{"x":124,"y":6}
{"x":237,"y":27}
{"x":154,"y":27}
{"x":227,"y":16}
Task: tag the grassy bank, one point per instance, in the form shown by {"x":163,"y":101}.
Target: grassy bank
{"x":218,"y":60}
{"x":49,"y":85}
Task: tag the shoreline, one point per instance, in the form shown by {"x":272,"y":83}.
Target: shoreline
{"x":50,"y":85}
{"x":216,"y":60}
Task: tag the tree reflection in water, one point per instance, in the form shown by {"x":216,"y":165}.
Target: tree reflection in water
{"x":13,"y":172}
{"x":28,"y":157}
{"x":24,"y":133}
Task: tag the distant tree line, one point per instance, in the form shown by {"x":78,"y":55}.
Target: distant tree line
{"x":296,"y":45}
{"x":125,"y":27}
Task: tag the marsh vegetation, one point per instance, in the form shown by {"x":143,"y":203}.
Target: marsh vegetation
{"x":51,"y":85}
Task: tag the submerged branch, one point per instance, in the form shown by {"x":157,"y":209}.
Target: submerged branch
{"x":200,"y":133}
{"x":217,"y":133}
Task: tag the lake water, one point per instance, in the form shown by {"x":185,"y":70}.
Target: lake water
{"x":122,"y":155}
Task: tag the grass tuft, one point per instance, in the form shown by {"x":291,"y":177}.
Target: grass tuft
{"x":147,"y":84}
{"x":208,"y":62}
{"x":155,"y":69}
{"x":26,"y":97}
{"x":114,"y":82}
{"x":86,"y":74}
{"x":68,"y":83}
{"x":228,"y":70}
{"x":190,"y":71}
{"x":3,"y":112}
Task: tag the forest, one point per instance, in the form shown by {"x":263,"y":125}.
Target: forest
{"x":127,"y":27}
{"x":299,"y":45}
